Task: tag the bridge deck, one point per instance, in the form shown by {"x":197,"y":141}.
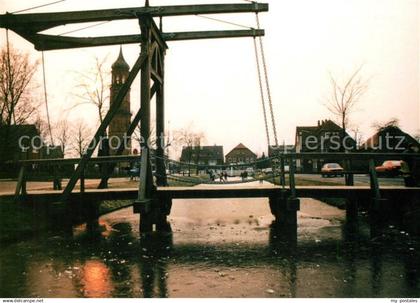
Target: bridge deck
{"x":222,"y":191}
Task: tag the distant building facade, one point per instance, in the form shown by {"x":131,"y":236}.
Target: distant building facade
{"x":325,"y":137}
{"x":389,"y":139}
{"x":274,"y":151}
{"x":121,"y":121}
{"x":203,"y":155}
{"x":20,"y":142}
{"x":240,"y":155}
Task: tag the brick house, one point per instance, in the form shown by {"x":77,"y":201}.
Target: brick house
{"x":325,"y":137}
{"x":240,"y":155}
{"x":203,"y":155}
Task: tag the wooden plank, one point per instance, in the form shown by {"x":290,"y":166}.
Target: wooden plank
{"x":217,"y":192}
{"x":37,"y":22}
{"x":101,"y":130}
{"x":50,"y":42}
{"x":198,"y":35}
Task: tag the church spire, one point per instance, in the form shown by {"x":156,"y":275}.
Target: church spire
{"x":120,"y":63}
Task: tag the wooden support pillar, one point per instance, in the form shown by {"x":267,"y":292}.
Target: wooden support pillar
{"x":282,"y":172}
{"x":82,"y":181}
{"x":349,"y":177}
{"x":144,"y":204}
{"x":21,"y":183}
{"x":376,"y":216}
{"x":160,"y":123}
{"x":351,"y":203}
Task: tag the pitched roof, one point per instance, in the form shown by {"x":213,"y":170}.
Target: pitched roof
{"x":240,"y":146}
{"x":393,"y":131}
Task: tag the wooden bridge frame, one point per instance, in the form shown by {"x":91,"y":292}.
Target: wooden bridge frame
{"x":155,"y":205}
{"x":151,"y":65}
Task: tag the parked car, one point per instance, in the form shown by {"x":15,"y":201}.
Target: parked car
{"x":332,"y":169}
{"x":390,"y":168}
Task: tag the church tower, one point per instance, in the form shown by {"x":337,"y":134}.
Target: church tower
{"x":121,"y":121}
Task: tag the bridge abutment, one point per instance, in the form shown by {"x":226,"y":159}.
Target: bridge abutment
{"x":284,"y":208}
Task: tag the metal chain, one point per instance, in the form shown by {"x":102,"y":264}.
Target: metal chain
{"x":267,"y":84}
{"x":261,"y":91}
{"x":46,"y":98}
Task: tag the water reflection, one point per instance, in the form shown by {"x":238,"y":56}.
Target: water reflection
{"x":96,"y":279}
{"x":255,"y":258}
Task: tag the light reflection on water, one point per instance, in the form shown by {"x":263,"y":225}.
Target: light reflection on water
{"x":218,"y":249}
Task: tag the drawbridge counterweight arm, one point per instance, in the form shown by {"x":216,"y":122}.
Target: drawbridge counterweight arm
{"x":34,"y":23}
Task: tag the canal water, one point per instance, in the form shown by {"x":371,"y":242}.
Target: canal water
{"x":218,"y":248}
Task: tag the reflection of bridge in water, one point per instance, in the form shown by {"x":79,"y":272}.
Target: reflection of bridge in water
{"x":121,"y":265}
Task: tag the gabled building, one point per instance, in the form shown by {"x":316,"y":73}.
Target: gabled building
{"x":389,"y":139}
{"x":325,"y":137}
{"x":281,"y":149}
{"x":203,"y":155}
{"x":240,"y":155}
{"x":20,"y":142}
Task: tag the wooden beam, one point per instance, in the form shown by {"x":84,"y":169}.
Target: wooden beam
{"x":49,"y":42}
{"x":37,"y":22}
{"x":101,"y":130}
{"x":155,"y":76}
{"x":179,"y":36}
{"x":132,"y":127}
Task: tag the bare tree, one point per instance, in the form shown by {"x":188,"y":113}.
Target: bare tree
{"x":63,"y":135}
{"x":17,"y":103}
{"x":190,"y":139}
{"x":81,"y":135}
{"x":93,"y":88}
{"x":345,"y":95}
{"x":379,"y":126}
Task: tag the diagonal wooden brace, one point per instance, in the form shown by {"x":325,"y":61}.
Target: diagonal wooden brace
{"x":102,"y":128}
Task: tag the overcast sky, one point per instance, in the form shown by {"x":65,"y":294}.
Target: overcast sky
{"x":213,"y":86}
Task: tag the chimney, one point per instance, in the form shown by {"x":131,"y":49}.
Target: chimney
{"x":319,"y":123}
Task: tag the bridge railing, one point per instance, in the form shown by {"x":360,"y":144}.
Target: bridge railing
{"x":368,"y":161}
{"x":56,"y":168}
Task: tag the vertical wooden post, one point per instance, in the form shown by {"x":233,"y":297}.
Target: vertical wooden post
{"x":349,"y":177}
{"x":145,"y":79}
{"x":374,"y":184}
{"x":292,"y":178}
{"x":82,"y":181}
{"x":146,"y":177}
{"x":21,"y":183}
{"x":160,"y":125}
{"x":282,"y":172}
{"x":376,"y":213}
{"x":351,"y":203}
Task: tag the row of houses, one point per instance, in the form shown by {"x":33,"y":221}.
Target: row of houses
{"x":213,"y":155}
{"x":324,"y":137}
